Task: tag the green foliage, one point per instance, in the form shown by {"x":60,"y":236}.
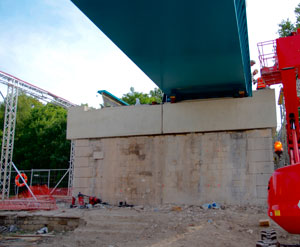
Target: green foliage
{"x":40,"y":136}
{"x":297,"y":13}
{"x":153,"y":96}
{"x":156,"y":95}
{"x":286,"y":26}
{"x":25,"y":104}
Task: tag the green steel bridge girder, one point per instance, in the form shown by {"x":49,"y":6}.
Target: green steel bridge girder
{"x":190,"y":49}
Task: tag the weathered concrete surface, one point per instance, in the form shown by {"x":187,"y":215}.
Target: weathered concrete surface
{"x":185,"y":153}
{"x":254,"y":112}
{"x":228,"y":167}
{"x":114,"y":121}
{"x":224,"y":114}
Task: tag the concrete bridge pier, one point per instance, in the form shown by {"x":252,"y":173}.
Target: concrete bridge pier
{"x":190,"y":152}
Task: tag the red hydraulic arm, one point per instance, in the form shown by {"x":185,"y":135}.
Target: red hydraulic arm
{"x":282,"y":65}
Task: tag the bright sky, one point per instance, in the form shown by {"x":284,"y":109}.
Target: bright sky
{"x":51,"y":44}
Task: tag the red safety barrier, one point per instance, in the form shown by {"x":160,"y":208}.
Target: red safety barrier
{"x":44,"y":199}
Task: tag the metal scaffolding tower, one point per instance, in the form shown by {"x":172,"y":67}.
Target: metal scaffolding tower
{"x":71,"y":167}
{"x":8,"y":138}
{"x":14,"y":86}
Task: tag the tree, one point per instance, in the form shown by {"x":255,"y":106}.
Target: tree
{"x":42,"y":143}
{"x":40,"y":135}
{"x":286,"y":26}
{"x":25,"y":104}
{"x":153,"y":96}
{"x":156,"y":95}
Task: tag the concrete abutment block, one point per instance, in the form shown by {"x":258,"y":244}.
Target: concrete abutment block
{"x":190,"y":152}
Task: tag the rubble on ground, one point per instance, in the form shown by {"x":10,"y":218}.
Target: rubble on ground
{"x":164,"y":226}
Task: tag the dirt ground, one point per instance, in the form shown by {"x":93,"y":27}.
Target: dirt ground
{"x":167,"y":226}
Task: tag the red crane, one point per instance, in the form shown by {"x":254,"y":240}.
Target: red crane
{"x":280,"y":64}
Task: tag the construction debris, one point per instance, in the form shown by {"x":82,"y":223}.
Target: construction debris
{"x":213,"y":205}
{"x":176,"y":208}
{"x":23,"y":239}
{"x":43,"y":230}
{"x":264,"y":222}
{"x":125,"y":205}
{"x":11,"y":228}
{"x":149,"y":226}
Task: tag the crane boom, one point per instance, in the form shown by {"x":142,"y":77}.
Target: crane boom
{"x":281,"y":65}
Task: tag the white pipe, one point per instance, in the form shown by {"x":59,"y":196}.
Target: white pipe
{"x":59,"y":181}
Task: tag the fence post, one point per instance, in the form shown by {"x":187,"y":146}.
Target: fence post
{"x":31,"y":175}
{"x":49,"y":178}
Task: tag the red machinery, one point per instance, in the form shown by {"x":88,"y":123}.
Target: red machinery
{"x":282,"y":65}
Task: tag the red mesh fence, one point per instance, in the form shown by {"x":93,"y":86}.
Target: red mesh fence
{"x":45,"y":199}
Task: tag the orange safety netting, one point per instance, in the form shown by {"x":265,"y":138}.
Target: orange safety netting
{"x":45,"y":200}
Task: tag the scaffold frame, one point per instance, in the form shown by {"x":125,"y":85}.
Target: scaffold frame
{"x":11,"y":102}
{"x":14,"y":87}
